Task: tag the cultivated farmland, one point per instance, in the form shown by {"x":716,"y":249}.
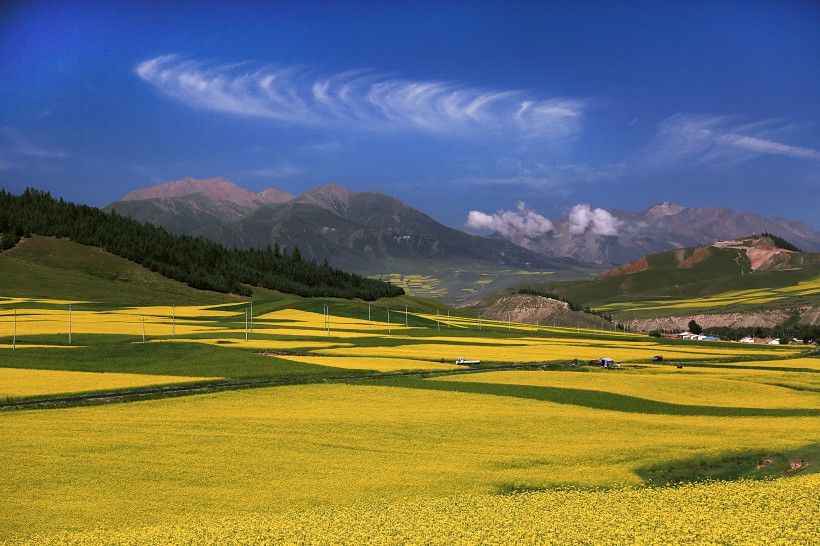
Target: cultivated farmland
{"x":334,"y":447}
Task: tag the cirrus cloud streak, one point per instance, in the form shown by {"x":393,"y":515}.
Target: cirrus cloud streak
{"x":359,"y":98}
{"x":712,"y":139}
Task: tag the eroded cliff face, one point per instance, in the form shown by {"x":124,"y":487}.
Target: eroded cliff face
{"x":769,"y":319}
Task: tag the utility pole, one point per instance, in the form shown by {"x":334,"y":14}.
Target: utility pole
{"x":405,"y":316}
{"x":246,"y":325}
{"x":173,"y":319}
{"x":368,"y":315}
{"x":69,"y":324}
{"x":388,"y":320}
{"x":143,"y":329}
{"x":448,"y":318}
{"x":251,"y":315}
{"x":438,"y":323}
{"x":14,"y":338}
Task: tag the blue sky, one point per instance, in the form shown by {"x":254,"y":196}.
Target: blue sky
{"x":450,"y":106}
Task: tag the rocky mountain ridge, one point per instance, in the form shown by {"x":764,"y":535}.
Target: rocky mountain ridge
{"x":364,"y":232}
{"x":665,"y":226}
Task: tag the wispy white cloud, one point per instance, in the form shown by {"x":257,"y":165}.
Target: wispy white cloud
{"x":702,"y":139}
{"x":542,"y":176}
{"x":279,"y":171}
{"x":16,"y":143}
{"x":511,"y":223}
{"x":758,"y":145}
{"x":359,"y":98}
{"x":324,"y":147}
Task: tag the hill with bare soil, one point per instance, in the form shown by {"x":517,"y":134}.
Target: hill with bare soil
{"x":540,"y":310}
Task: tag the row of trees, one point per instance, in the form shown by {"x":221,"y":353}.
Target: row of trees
{"x":781,"y":242}
{"x":193,"y":260}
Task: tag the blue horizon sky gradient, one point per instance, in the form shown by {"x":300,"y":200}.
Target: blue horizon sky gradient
{"x":451,"y":107}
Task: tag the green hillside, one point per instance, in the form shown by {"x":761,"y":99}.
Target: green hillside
{"x":51,"y":268}
{"x":705,"y":279}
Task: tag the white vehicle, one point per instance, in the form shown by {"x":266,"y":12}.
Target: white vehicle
{"x":460,"y":360}
{"x":607,"y":363}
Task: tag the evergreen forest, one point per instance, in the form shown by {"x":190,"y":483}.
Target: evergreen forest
{"x":195,"y":261}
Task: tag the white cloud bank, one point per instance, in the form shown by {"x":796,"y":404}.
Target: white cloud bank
{"x":510,"y":223}
{"x":527,"y":223}
{"x":600,"y":221}
{"x":359,"y":98}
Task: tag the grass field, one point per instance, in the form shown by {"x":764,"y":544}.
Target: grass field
{"x":479,"y":456}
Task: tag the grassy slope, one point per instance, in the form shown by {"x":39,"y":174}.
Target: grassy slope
{"x":718,"y":273}
{"x":45,"y":267}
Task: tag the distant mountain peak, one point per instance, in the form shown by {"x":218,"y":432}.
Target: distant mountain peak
{"x":217,"y":189}
{"x":273,"y":195}
{"x":332,"y":197}
{"x":660,"y":210}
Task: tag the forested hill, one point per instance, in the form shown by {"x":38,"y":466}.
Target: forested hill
{"x":199,"y":263}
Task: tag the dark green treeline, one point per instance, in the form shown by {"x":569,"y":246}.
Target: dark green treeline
{"x":193,"y":260}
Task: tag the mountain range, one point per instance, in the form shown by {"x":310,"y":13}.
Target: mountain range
{"x":628,"y":236}
{"x":369,"y":226}
{"x":363,"y":232}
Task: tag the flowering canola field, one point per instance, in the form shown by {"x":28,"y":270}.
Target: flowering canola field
{"x":662,"y":384}
{"x":402,"y":460}
{"x":744,"y":512}
{"x":427,"y":338}
{"x":755,"y":296}
{"x":330,"y":446}
{"x":21,"y":383}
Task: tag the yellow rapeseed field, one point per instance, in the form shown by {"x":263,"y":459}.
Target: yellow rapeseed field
{"x":779,"y":511}
{"x":306,"y":319}
{"x":300,"y":330}
{"x":744,"y":297}
{"x":792,"y":363}
{"x":549,"y":349}
{"x":329,"y":446}
{"x":21,"y":383}
{"x":154,"y":322}
{"x":661,"y":384}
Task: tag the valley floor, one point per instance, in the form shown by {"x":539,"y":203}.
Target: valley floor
{"x":345,"y":452}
